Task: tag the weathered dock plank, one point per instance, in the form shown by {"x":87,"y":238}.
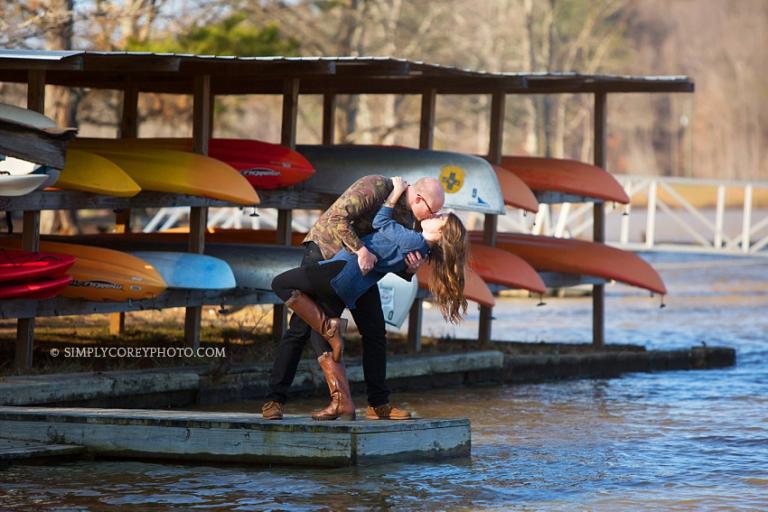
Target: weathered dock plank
{"x":238,"y":437}
{"x":12,"y":450}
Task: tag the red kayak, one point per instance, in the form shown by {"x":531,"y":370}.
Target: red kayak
{"x":498,"y":266}
{"x":565,"y":255}
{"x":566,"y":176}
{"x":475,"y":288}
{"x":43,"y":288}
{"x":16,"y":265}
{"x":266,"y":166}
{"x":514,"y":190}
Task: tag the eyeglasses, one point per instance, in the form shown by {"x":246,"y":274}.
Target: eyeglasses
{"x":426,"y":204}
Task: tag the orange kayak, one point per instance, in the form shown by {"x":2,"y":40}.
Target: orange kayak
{"x":514,"y":190}
{"x":501,"y":267}
{"x":475,"y":288}
{"x":102,"y":274}
{"x":566,"y":176}
{"x":549,"y":254}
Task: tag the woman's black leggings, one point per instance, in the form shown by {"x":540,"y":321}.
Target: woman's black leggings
{"x":315,"y":281}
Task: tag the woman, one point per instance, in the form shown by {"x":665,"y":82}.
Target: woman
{"x":319,"y":293}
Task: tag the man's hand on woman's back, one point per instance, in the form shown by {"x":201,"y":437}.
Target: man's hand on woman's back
{"x":366,"y":259}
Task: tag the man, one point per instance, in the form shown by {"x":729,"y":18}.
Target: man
{"x":341,"y":226}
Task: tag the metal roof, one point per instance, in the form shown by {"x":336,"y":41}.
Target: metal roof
{"x":175,"y":73}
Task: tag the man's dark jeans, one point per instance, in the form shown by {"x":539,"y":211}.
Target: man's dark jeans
{"x":370,"y":322}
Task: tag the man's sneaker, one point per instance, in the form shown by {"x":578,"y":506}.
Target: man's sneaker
{"x":272,"y":410}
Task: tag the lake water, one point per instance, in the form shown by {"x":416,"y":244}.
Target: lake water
{"x":663,"y":441}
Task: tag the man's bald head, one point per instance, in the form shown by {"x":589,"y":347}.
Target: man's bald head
{"x":428,"y":197}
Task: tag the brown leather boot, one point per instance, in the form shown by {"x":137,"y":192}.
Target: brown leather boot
{"x":341,"y":405}
{"x":329,"y":328}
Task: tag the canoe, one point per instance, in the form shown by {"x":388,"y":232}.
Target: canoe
{"x":102,"y":274}
{"x":89,"y":172}
{"x":27,"y":265}
{"x":189,"y":270}
{"x":42,"y":288}
{"x":514,"y":190}
{"x":570,"y":177}
{"x":475,"y":288}
{"x":549,"y":254}
{"x":266,"y":166}
{"x":26,"y":116}
{"x":469,"y":182}
{"x":255,"y":265}
{"x":179,"y":172}
{"x":497,"y":266}
{"x":14,"y":186}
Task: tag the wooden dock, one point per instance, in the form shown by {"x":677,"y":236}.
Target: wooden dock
{"x":14,"y":450}
{"x":237,"y":437}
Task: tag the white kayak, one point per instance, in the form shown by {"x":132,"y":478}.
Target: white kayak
{"x":26,"y":116}
{"x":469,"y":182}
{"x":11,"y":186}
{"x":17,"y":167}
{"x":189,"y":270}
{"x":397,"y":296}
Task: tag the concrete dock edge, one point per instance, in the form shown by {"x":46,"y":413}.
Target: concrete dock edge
{"x":164,"y":388}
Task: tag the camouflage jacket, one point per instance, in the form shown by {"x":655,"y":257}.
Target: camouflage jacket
{"x":351,"y":216}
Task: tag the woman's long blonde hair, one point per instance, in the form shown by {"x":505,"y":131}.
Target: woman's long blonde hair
{"x":449,"y":257}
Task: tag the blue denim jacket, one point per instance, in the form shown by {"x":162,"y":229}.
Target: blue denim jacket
{"x":390,"y":242}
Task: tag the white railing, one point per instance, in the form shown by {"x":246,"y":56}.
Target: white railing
{"x":227,"y":217}
{"x":664,"y":214}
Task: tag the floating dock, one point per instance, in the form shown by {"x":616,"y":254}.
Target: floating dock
{"x":237,"y":437}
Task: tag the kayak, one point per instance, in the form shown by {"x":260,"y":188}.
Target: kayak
{"x":571,"y":177}
{"x":18,"y":265}
{"x":89,"y":172}
{"x":42,"y":288}
{"x":469,"y":182}
{"x":569,"y":256}
{"x":179,"y":172}
{"x":497,"y":266}
{"x":102,"y":274}
{"x":266,"y":166}
{"x":514,"y":190}
{"x":189,"y":270}
{"x":475,"y":289}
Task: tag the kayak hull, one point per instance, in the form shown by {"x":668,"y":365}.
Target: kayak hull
{"x":568,"y":256}
{"x":469,"y":182}
{"x":266,"y":166}
{"x":102,"y":274}
{"x":18,"y":265}
{"x":569,"y":177}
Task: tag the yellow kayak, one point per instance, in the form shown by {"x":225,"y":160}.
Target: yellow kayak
{"x":89,"y":172}
{"x":178,"y":172}
{"x":102,"y":274}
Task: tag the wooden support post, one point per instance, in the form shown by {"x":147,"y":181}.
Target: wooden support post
{"x":598,"y":231}
{"x":198,"y":215}
{"x":284,"y":217}
{"x":329,"y":119}
{"x":30,"y":238}
{"x":495,"y":148}
{"x":426,"y":138}
{"x":129,"y":127}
